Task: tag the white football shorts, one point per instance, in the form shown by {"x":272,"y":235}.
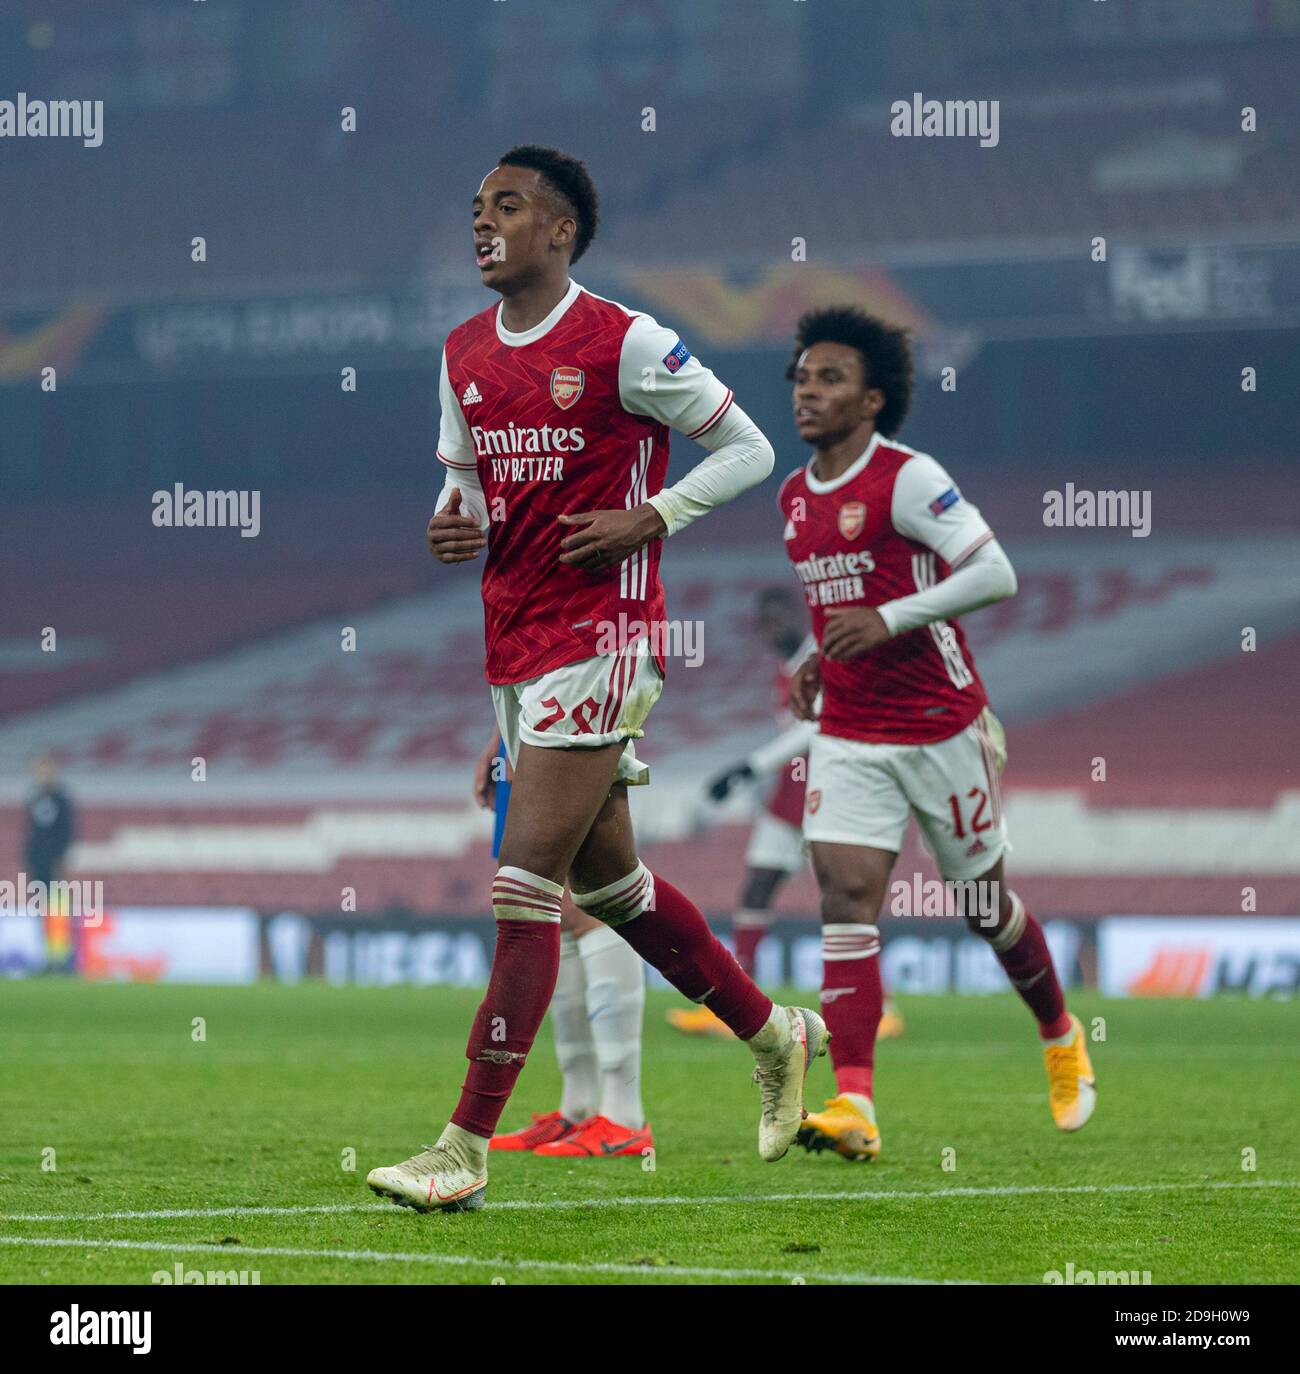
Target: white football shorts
{"x":775,"y":844}
{"x":583,"y":705}
{"x":863,"y":794}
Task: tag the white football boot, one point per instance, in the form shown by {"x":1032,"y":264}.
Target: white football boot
{"x":433,"y":1181}
{"x":780,"y":1074}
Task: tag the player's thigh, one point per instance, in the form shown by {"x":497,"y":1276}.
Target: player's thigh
{"x":955,"y":793}
{"x":569,"y":734}
{"x":555,"y":798}
{"x":608,"y":851}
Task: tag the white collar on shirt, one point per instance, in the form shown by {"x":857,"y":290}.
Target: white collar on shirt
{"x":820,"y":488}
{"x":527,"y":336}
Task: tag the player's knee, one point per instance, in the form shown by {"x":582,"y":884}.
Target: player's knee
{"x":994,"y":914}
{"x":854,"y":901}
{"x":621,"y":901}
{"x":975,"y":901}
{"x":521,"y":895}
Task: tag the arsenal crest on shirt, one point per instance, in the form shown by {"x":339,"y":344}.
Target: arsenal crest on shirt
{"x":566,"y":386}
{"x":853,"y":516}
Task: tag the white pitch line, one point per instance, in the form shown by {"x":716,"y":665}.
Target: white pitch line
{"x":465,"y":1261}
{"x":721,"y":1200}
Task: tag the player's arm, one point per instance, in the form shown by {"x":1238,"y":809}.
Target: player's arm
{"x":691,"y":400}
{"x":767,"y":758}
{"x":456,"y":531}
{"x":485,"y":783}
{"x":928,"y":508}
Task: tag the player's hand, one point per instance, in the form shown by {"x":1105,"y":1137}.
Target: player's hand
{"x":604,"y":537}
{"x":721,"y":786}
{"x":453,"y":537}
{"x":805,"y":683}
{"x":485,"y":782}
{"x":851,"y":631}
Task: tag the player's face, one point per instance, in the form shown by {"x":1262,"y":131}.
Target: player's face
{"x":515,"y":227}
{"x":831,"y":395}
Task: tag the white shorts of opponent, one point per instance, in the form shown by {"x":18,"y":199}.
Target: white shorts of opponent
{"x":775,"y":844}
{"x":863,"y":794}
{"x":583,"y":705}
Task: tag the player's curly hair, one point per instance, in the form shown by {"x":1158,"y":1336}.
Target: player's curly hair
{"x":570,"y":183}
{"x":886,"y":352}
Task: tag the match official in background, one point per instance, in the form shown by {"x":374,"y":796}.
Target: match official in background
{"x":50,"y":828}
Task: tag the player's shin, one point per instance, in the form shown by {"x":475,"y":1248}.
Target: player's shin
{"x":524,"y":970}
{"x":749,"y":926}
{"x":852,"y":997}
{"x":1017,"y":940}
{"x":667,"y":930}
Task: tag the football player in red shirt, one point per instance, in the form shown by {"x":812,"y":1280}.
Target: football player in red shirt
{"x":889,"y":553}
{"x":776,"y":849}
{"x":556,"y":411}
{"x":597,"y":1011}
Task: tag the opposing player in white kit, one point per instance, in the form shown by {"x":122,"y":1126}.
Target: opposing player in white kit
{"x":889,"y":553}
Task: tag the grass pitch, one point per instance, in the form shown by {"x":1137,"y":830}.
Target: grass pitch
{"x":247,"y":1150}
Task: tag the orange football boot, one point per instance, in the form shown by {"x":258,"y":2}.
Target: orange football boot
{"x":598,"y":1136}
{"x":697,"y":1021}
{"x":546,"y":1127}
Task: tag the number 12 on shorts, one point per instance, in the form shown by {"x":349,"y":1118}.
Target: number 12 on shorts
{"x":978,"y":820}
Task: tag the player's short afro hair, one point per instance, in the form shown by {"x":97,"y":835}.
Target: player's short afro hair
{"x":886,"y":355}
{"x":570,"y":182}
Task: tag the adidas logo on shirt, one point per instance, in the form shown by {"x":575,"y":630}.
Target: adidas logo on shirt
{"x":471,"y":395}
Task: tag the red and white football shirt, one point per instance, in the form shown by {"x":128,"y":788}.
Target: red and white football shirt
{"x":892,"y":524}
{"x":567,"y":417}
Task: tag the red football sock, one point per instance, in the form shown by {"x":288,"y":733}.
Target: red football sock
{"x":749,"y":927}
{"x":666,"y":930}
{"x":851,"y":1001}
{"x":524,"y":969}
{"x":1022,"y":951}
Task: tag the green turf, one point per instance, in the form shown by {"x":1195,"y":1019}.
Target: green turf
{"x":141,"y":1117}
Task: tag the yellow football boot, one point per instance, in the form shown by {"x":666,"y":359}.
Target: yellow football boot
{"x":891,"y":1023}
{"x":847,"y":1126}
{"x":697,"y":1021}
{"x":1071,"y":1086}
